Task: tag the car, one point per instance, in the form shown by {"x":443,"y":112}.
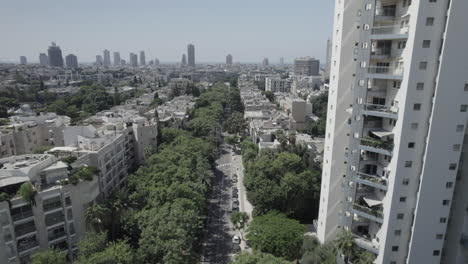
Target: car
{"x":235,"y":208}
{"x":234,"y":189}
{"x":235,"y":195}
{"x":234,"y":180}
{"x":236,"y":239}
{"x":235,"y":201}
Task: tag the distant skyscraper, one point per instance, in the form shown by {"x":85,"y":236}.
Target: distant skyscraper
{"x":191,"y":55}
{"x":123,"y":62}
{"x":43,"y":59}
{"x":306,"y":66}
{"x":23,"y":60}
{"x":99,"y":60}
{"x":281,"y":61}
{"x":229,"y":59}
{"x":328,"y":66}
{"x":71,"y":61}
{"x":107,"y":60}
{"x":55,"y":56}
{"x":156,"y":61}
{"x":265,"y":62}
{"x":116,"y":58}
{"x":184,"y":60}
{"x":142,"y":58}
{"x":133,"y":60}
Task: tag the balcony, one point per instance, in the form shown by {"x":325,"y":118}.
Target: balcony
{"x":372,"y":180}
{"x":27,"y":243}
{"x":385,"y":72}
{"x":21,"y":213}
{"x":377,"y":146}
{"x":385,"y":13}
{"x":367,"y":244}
{"x":26,"y":228}
{"x":371,"y":213}
{"x":378,"y":110}
{"x":381,"y":53}
{"x":394,"y":31}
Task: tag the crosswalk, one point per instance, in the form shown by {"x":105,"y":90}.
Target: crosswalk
{"x":223,"y":165}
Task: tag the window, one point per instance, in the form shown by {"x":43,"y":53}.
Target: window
{"x":395,"y":248}
{"x":417,"y":107}
{"x":452,"y":166}
{"x":402,"y":199}
{"x":429,"y":21}
{"x":405,"y":181}
{"x":432,"y":1}
{"x":426,"y":44}
{"x":456,"y":147}
{"x":414,"y":126}
{"x":420,"y":86}
{"x":443,"y":220}
{"x":400,"y":216}
{"x":408,"y":164}
{"x":460,"y":128}
{"x":423,"y":65}
{"x":439,"y":236}
{"x":435,"y":252}
{"x":449,"y":185}
{"x":411,"y":145}
{"x":397,"y":232}
{"x":463,"y":108}
{"x":445,"y":202}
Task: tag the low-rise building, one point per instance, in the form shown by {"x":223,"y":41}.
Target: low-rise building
{"x":278,"y":85}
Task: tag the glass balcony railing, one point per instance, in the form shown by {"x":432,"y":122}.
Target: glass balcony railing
{"x":376,"y":212}
{"x":388,"y":70}
{"x":390,"y":30}
{"x":22,"y":215}
{"x":375,"y":143}
{"x":373,"y":178}
{"x":386,"y":12}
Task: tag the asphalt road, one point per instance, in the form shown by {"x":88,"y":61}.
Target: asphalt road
{"x":217,"y":244}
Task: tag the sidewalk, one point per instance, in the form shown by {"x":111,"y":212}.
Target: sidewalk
{"x":238,"y":168}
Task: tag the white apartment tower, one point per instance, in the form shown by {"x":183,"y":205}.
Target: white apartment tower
{"x":396,"y":129}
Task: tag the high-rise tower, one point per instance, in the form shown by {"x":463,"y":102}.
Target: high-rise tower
{"x":142,"y":58}
{"x":116,"y":58}
{"x":393,"y":173}
{"x":107,"y":60}
{"x":55,"y":56}
{"x":191,"y":55}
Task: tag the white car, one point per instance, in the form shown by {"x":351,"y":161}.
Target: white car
{"x":236,"y":239}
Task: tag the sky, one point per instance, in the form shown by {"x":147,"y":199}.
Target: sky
{"x":250,"y":30}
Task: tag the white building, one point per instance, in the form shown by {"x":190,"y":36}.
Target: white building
{"x":277,"y":85}
{"x":397,"y":113}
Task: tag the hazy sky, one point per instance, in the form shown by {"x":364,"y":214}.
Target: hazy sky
{"x":248,"y":29}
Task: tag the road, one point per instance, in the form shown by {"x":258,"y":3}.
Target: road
{"x":217,"y":241}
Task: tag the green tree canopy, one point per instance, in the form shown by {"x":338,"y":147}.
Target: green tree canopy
{"x":51,"y":256}
{"x":258,"y":258}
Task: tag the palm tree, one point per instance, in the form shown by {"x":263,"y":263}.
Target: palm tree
{"x":365,"y":257}
{"x":345,"y":242}
{"x":95,"y":216}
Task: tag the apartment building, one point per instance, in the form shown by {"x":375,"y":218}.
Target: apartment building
{"x":395,"y":139}
{"x":55,"y":219}
{"x":277,"y":85}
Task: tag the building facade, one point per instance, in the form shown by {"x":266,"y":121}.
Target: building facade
{"x":277,"y":85}
{"x":191,"y":55}
{"x":55,"y":56}
{"x":116,"y":58}
{"x":397,"y":115}
{"x":142,"y":58}
{"x":43,"y":59}
{"x":23,"y":60}
{"x":229,"y":59}
{"x":71,"y":61}
{"x":107,"y":60}
{"x":306,"y":66}
{"x":133,"y":60}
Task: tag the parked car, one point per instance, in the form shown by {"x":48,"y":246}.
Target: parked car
{"x":235,"y":201}
{"x":235,"y":208}
{"x":235,"y":195}
{"x":236,"y":239}
{"x":234,"y":180}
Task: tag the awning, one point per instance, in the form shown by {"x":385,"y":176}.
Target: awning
{"x":372,"y":202}
{"x":382,"y":133}
{"x":12,"y":180}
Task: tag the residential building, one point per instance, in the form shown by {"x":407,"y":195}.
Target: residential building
{"x":142,"y":58}
{"x":281,"y":61}
{"x":55,"y":56}
{"x":133,"y":60}
{"x":393,"y":167}
{"x":107,"y":60}
{"x":306,"y":66}
{"x":43,"y":59}
{"x":265,"y":62}
{"x":116,"y":58}
{"x":277,"y":85}
{"x":71,"y":61}
{"x":156,"y":61}
{"x":229,"y":59}
{"x":99,"y":60}
{"x":23,"y":60}
{"x":191,"y":55}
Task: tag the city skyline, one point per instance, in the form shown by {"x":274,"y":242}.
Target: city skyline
{"x":102,"y":31}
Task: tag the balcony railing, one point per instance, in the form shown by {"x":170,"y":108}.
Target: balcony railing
{"x":376,"y":212}
{"x":22,"y":215}
{"x":57,"y":235}
{"x":386,"y":70}
{"x":385,"y":12}
{"x":25,"y":230}
{"x":26,"y":244}
{"x":390,"y":30}
{"x":375,"y":143}
{"x":372,"y":180}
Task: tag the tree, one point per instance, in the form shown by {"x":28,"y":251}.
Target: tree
{"x":115,"y":252}
{"x":282,"y":138}
{"x":235,"y":123}
{"x":239,"y":220}
{"x":28,"y":192}
{"x":258,"y":258}
{"x":365,"y":257}
{"x":315,"y":253}
{"x":95,"y":216}
{"x":276,"y":234}
{"x":345,"y":242}
{"x":270,"y":96}
{"x":51,"y":256}
{"x":91,"y":244}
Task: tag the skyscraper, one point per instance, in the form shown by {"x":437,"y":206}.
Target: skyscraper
{"x":142,"y":58}
{"x":191,"y":55}
{"x":43,"y":59}
{"x":116,"y":58}
{"x":133,"y":60}
{"x":71,"y":61}
{"x":306,"y":66}
{"x":229,"y":59}
{"x":107,"y":60}
{"x":23,"y":60}
{"x":55,"y":56}
{"x":281,"y":61}
{"x":156,"y":61}
{"x":327,"y":67}
{"x":184,"y":60}
{"x":395,"y":156}
{"x":99,"y":60}
{"x":265,"y":62}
